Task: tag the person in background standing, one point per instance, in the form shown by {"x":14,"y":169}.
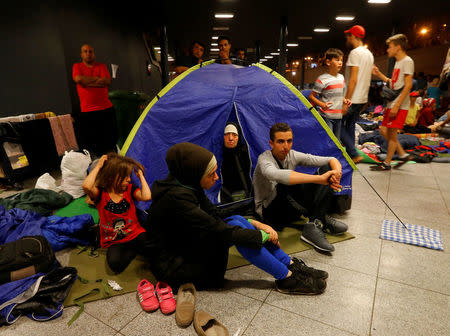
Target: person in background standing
{"x":96,"y":126}
{"x":358,"y":73}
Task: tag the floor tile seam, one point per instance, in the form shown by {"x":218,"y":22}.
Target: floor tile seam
{"x":345,"y":268}
{"x":142,"y":312}
{"x":374,"y":190}
{"x":247,"y":296}
{"x":309,"y":317}
{"x":270,"y":292}
{"x":416,"y":287}
{"x":442,"y":195}
{"x":96,"y":318}
{"x":389,"y":209}
{"x":375,"y":290}
{"x":249,"y":323}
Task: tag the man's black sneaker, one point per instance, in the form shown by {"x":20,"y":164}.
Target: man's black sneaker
{"x":334,"y":226}
{"x":313,"y":234}
{"x":300,"y":284}
{"x":299,"y":265}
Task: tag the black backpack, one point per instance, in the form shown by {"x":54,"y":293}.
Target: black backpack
{"x":25,"y":257}
{"x":422,"y":154}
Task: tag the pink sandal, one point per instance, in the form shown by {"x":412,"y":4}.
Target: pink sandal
{"x":146,"y":295}
{"x":167,"y":302}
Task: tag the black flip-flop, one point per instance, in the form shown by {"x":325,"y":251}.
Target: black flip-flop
{"x":401,"y":162}
{"x":381,"y":167}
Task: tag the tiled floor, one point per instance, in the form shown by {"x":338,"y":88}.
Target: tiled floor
{"x":375,"y":286}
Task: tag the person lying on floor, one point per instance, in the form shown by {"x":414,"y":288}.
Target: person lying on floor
{"x":282,"y":195}
{"x":109,"y":186}
{"x":190,"y":242}
{"x":425,"y":119}
{"x":235,"y":169}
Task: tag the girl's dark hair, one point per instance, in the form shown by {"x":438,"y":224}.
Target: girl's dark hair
{"x":115,"y":170}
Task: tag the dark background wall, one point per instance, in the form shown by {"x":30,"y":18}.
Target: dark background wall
{"x":40,"y":43}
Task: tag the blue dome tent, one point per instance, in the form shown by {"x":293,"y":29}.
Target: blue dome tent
{"x":196,"y":105}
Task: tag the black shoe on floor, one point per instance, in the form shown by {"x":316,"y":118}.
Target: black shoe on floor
{"x":313,"y":234}
{"x":300,"y":284}
{"x":334,"y":226}
{"x":300,"y":266}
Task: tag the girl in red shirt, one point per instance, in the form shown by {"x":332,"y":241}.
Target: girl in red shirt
{"x":109,"y":185}
{"x":426,"y":117}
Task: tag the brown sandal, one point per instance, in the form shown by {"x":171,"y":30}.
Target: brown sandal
{"x":206,"y":325}
{"x":186,"y":298}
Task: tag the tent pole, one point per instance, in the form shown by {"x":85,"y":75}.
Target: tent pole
{"x":164,"y":55}
{"x":257,"y":50}
{"x":391,"y":60}
{"x":282,"y":60}
{"x":303,"y":73}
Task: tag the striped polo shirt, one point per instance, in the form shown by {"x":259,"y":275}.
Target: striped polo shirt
{"x":330,"y":89}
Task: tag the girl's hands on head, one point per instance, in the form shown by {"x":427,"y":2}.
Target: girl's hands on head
{"x":102,"y":160}
{"x":138,"y":172}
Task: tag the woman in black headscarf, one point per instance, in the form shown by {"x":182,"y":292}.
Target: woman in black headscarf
{"x":235,"y":169}
{"x":190,"y":241}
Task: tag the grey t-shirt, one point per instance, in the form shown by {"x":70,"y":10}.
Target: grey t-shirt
{"x":330,"y":90}
{"x":268,"y":174}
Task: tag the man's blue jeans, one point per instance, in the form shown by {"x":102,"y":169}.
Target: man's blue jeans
{"x":348,"y":129}
{"x":335,"y":125}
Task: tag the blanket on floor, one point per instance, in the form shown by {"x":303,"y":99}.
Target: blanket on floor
{"x":41,"y":201}
{"x":61,"y":232}
{"x":407,"y":141}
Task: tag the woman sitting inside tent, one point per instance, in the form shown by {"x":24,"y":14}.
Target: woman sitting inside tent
{"x":235,"y":169}
{"x":190,"y":242}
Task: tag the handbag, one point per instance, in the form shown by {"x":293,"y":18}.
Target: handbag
{"x":24,"y":257}
{"x":390,"y":94}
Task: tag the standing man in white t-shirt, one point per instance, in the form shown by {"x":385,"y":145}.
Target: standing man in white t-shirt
{"x":358,"y":72}
{"x":396,"y":111}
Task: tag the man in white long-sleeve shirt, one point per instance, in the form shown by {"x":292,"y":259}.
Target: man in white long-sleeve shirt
{"x":282,"y":195}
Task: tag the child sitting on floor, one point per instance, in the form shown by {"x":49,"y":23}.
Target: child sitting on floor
{"x":109,"y":186}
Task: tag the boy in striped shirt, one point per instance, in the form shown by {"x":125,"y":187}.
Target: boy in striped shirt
{"x":328,"y":92}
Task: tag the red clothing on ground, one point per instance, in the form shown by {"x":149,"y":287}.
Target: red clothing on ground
{"x":426,"y":117}
{"x":396,"y":122}
{"x":118,"y":221}
{"x":92,"y":98}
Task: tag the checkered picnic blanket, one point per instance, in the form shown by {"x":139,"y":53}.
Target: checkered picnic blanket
{"x":415,"y":235}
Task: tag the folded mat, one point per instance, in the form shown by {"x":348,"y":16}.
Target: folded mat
{"x":92,"y":269}
{"x":97,"y":272}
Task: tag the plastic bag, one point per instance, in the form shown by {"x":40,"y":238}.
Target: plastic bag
{"x":47,"y":182}
{"x":74,"y":167}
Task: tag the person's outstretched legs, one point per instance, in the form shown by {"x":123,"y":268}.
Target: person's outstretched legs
{"x":262,"y":258}
{"x":292,"y":276}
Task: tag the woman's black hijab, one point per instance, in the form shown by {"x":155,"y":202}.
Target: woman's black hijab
{"x":187,"y":163}
{"x":232,"y":179}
